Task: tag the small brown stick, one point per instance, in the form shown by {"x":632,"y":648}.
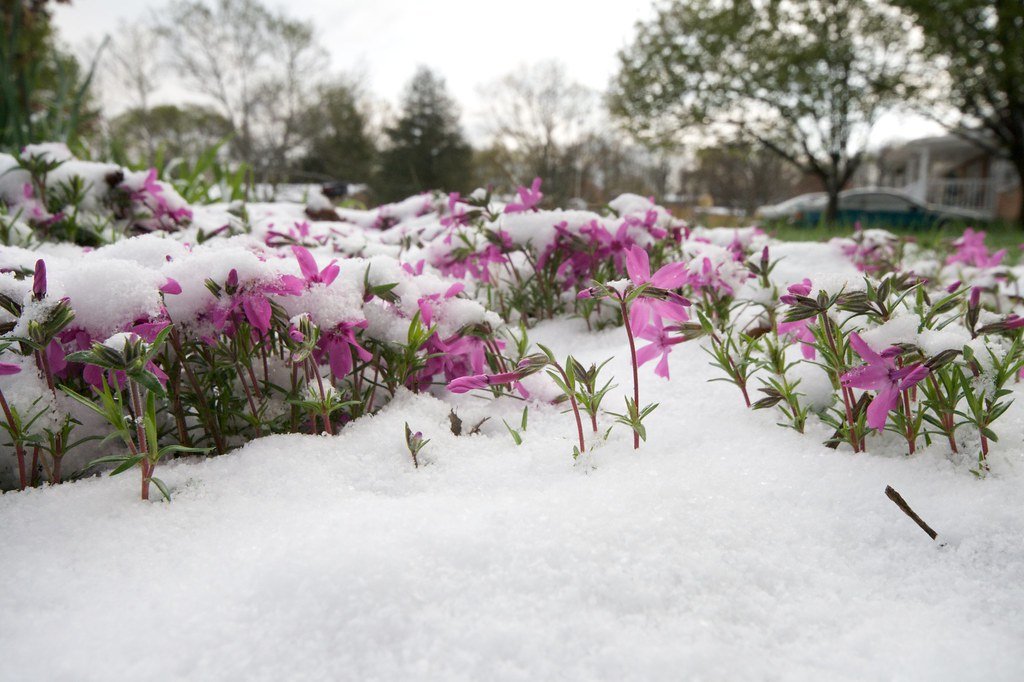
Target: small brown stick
{"x":905,"y":508}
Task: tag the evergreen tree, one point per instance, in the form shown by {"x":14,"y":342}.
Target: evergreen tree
{"x":426,"y":147}
{"x":44,"y":92}
{"x":339,"y":146}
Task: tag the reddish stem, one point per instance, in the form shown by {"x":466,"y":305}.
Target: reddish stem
{"x":911,"y":440}
{"x":636,"y":372}
{"x":19,"y":449}
{"x":575,"y":407}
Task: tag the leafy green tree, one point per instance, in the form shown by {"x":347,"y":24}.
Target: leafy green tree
{"x":336,"y":130}
{"x":805,"y":78}
{"x":426,"y":148}
{"x":44,"y":93}
{"x":979,"y":46}
{"x":170,"y":131}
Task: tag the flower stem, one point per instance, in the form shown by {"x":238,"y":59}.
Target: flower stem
{"x":575,"y":407}
{"x":19,"y":449}
{"x":636,"y":373}
{"x":826,"y":324}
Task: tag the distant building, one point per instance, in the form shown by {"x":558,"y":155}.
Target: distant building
{"x":948,"y":171}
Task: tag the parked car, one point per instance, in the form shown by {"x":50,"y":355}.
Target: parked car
{"x":790,"y":207}
{"x":870,"y":207}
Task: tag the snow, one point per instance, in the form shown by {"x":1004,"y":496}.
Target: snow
{"x":725,"y":548}
{"x":900,"y":329}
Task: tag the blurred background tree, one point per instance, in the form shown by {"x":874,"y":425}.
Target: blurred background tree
{"x":141,"y":135}
{"x":425,"y":147}
{"x":538,"y":122}
{"x":754,"y":100}
{"x":740,"y":176}
{"x":259,"y":68}
{"x":44,"y":92}
{"x":336,"y":130}
{"x":807,"y":79}
{"x":978,"y":46}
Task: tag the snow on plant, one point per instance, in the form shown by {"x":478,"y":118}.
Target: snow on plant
{"x":213,"y":325}
{"x":914,"y":356}
{"x":243,"y":341}
{"x":62,"y":198}
{"x":645,"y":302}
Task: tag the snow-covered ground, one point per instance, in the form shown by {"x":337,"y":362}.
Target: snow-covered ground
{"x":726,"y":548}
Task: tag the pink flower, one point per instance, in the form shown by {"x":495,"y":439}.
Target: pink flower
{"x":971,"y":250}
{"x":464,"y":384}
{"x":1013,"y":321}
{"x":171,"y":286}
{"x":469,"y":383}
{"x":646,"y":310}
{"x":151,"y":195}
{"x":800,"y":331}
{"x":338,"y":345}
{"x":310,"y":272}
{"x":661,"y":345}
{"x":638,"y":265}
{"x":8,"y":368}
{"x":39,"y":281}
{"x":882,"y":375}
{"x":528,"y":198}
{"x":426,"y":303}
{"x":251,"y":302}
{"x":414,"y":269}
{"x":526,"y":366}
{"x":803,"y":288}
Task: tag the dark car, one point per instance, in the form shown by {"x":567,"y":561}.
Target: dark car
{"x":875,"y":208}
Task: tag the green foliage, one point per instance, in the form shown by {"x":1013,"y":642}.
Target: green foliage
{"x":44,"y":96}
{"x":426,"y":147}
{"x":168,"y":132}
{"x":803,"y":78}
{"x":339,"y":146}
{"x":985,"y":68}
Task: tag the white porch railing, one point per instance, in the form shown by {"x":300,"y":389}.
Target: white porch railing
{"x":976,"y":194}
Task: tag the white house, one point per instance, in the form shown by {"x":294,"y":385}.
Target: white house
{"x":950,"y":171}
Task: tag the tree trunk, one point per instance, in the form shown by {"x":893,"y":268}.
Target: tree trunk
{"x":1019,"y":165}
{"x":832,"y":207}
{"x":1020,"y":204}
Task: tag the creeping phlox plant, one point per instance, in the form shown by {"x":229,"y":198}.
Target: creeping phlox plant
{"x":49,"y":195}
{"x":909,"y":349}
{"x":153,"y":328}
{"x":215,"y":345}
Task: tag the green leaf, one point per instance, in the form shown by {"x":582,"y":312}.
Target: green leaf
{"x":149,"y":381}
{"x":181,"y":448}
{"x":85,"y":401}
{"x":161,"y":487}
{"x":149,"y":422}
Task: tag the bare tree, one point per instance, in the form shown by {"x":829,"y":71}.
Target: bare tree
{"x":537,"y":116}
{"x":130,"y":66}
{"x":259,"y":68}
{"x":740,"y":175}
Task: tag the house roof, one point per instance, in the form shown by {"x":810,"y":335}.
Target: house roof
{"x":949,"y":147}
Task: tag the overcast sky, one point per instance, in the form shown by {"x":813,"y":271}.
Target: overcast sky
{"x":469,"y":43}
